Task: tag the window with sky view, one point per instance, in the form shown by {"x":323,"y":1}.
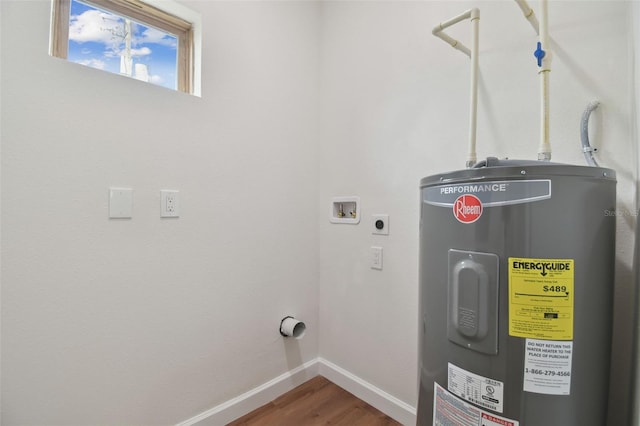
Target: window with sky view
{"x":101,"y":39}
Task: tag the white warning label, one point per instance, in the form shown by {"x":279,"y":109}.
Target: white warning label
{"x":449,"y":410}
{"x":482,"y":391}
{"x":547,"y":367}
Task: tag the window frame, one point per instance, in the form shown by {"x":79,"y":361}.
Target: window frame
{"x":138,"y":11}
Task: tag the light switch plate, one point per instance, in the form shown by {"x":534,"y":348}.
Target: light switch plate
{"x":120,"y":203}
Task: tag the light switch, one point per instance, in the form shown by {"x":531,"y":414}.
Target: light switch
{"x":120,"y":203}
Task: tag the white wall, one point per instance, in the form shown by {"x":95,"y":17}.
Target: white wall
{"x":395,"y":109}
{"x":150,"y":321}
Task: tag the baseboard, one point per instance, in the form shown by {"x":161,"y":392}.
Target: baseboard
{"x":255,"y":398}
{"x":267,"y":392}
{"x":376,"y":397}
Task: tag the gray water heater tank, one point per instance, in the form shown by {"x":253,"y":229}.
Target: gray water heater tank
{"x":516,"y":293}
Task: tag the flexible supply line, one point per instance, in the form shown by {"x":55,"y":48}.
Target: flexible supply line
{"x":474,"y":16}
{"x":584,"y":134}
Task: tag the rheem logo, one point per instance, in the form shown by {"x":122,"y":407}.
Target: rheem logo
{"x":467,"y":208}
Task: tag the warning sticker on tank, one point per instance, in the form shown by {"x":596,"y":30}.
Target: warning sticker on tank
{"x":492,"y":420}
{"x":547,"y":367}
{"x":541,"y":298}
{"x":479,"y":390}
{"x":450,"y":410}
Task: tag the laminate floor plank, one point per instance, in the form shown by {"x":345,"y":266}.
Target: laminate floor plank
{"x":318,"y":402}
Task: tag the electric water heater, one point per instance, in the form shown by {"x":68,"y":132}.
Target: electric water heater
{"x":516,"y":293}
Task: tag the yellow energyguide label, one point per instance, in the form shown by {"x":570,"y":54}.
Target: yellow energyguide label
{"x":541,"y":298}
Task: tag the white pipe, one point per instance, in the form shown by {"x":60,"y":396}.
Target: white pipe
{"x":543,"y":54}
{"x":437,"y":31}
{"x":474,"y":16}
{"x":452,"y":41}
{"x":292,"y":327}
{"x":473,"y":107}
{"x":544,"y":150}
{"x":456,"y":19}
{"x":528,"y":13}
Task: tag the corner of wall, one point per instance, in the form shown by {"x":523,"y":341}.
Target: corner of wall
{"x":635,"y":64}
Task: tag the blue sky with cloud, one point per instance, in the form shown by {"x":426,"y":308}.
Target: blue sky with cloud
{"x":96,"y":39}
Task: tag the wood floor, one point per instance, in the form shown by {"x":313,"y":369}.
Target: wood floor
{"x":316,"y":402}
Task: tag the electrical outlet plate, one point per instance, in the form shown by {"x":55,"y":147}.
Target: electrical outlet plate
{"x":169,"y":203}
{"x":380,"y":224}
{"x":376,"y":258}
{"x":345,"y":210}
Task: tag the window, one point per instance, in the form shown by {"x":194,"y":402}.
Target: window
{"x":125,"y":37}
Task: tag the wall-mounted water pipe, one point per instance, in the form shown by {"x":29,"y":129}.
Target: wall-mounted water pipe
{"x":528,"y":13}
{"x":543,"y":56}
{"x":474,"y":16}
{"x":544,"y":64}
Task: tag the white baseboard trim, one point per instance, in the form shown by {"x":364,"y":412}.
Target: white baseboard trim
{"x":255,"y":398}
{"x":372,"y":395}
{"x":267,"y":392}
